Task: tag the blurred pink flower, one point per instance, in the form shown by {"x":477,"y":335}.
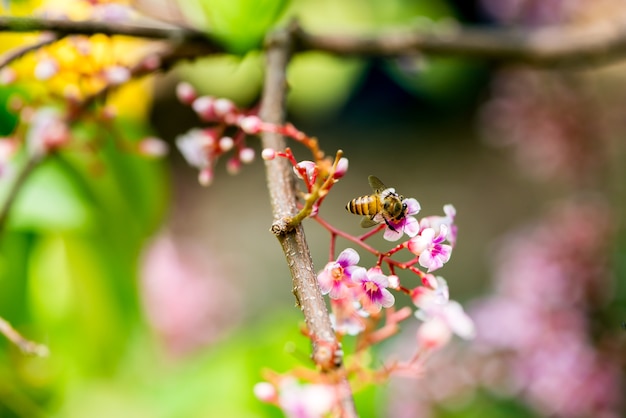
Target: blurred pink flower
{"x":189,"y":304}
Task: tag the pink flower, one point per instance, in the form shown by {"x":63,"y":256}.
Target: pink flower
{"x":309,"y":168}
{"x":432,"y":253}
{"x":306,"y":401}
{"x":449,"y":314}
{"x":373,"y":287}
{"x":435,"y":223}
{"x":195,"y":147}
{"x":338,"y":275}
{"x":348,"y":317}
{"x":408,"y":224}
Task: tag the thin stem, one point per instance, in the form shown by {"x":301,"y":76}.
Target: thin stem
{"x":27,"y":346}
{"x":31,"y":163}
{"x":17,"y":53}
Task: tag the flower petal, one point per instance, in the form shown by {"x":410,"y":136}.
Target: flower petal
{"x":411,"y":226}
{"x":412,"y":206}
{"x":348,"y":257}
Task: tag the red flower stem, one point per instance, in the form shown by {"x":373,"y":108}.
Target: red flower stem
{"x":372,"y":232}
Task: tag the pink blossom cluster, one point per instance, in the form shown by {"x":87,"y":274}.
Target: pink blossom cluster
{"x":201,"y":147}
{"x":363,"y":307}
{"x":534,"y":335}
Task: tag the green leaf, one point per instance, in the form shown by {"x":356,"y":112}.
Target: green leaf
{"x":240,"y":24}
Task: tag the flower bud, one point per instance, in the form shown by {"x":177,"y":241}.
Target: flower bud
{"x":246,"y":155}
{"x":186,"y":93}
{"x":268,"y":154}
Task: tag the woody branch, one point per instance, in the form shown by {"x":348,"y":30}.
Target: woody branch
{"x":573,"y":45}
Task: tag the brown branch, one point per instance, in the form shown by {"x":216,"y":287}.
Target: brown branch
{"x":326,"y":350}
{"x":27,"y":346}
{"x":22,"y":175}
{"x":549,"y":46}
{"x":589,"y":45}
{"x":89,"y":27}
{"x":17,"y":53}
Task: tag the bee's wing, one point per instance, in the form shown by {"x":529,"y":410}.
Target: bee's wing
{"x":367,"y":222}
{"x":376,"y":184}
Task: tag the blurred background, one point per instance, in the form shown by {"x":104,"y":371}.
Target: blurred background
{"x":161,"y":298}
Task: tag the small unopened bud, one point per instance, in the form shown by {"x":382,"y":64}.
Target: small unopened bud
{"x":268,"y":154}
{"x":117,"y":75}
{"x":226,"y":143}
{"x":265,"y":392}
{"x":394,"y":281}
{"x":186,"y":93}
{"x":205,"y":177}
{"x":342,"y":168}
{"x":46,"y":69}
{"x":246,"y":155}
{"x":233,"y":166}
{"x":224,"y":107}
{"x":251,"y":124}
{"x":7,"y":76}
{"x":153,"y":147}
{"x":204,"y":106}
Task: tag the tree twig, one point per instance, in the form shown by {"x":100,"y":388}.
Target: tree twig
{"x":326,"y":350}
{"x":65,"y":27}
{"x":27,"y":346}
{"x":22,"y":175}
{"x":574,"y":45}
{"x":17,"y":53}
{"x":549,"y":46}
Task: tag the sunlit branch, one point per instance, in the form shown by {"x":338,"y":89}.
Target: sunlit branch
{"x":27,"y":346}
{"x":17,"y":53}
{"x":20,"y":178}
{"x":90,"y":27}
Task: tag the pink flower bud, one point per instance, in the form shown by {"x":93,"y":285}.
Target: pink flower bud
{"x":46,"y":69}
{"x":204,"y":106}
{"x":153,"y":147}
{"x":246,"y":155}
{"x":268,"y":154}
{"x":233,"y":166}
{"x":224,"y":107}
{"x":251,"y":124}
{"x":7,"y":76}
{"x":186,"y":93}
{"x":226,"y":143}
{"x":342,"y":168}
{"x":265,"y":392}
{"x":205,"y":177}
{"x":117,"y":75}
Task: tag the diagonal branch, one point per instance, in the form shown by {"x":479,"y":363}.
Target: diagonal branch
{"x":65,"y":27}
{"x":17,"y":53}
{"x":22,"y":175}
{"x":27,"y":346}
{"x":326,"y":349}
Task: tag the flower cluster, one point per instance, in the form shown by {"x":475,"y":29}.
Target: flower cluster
{"x":229,"y":126}
{"x":364,"y":307}
{"x":533,"y":334}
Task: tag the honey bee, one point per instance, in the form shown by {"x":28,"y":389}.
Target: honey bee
{"x":385,"y":205}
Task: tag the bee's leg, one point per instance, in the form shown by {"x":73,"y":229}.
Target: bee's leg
{"x":389,"y":225}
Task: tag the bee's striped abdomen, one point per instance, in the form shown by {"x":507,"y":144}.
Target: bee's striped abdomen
{"x":364,"y":205}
